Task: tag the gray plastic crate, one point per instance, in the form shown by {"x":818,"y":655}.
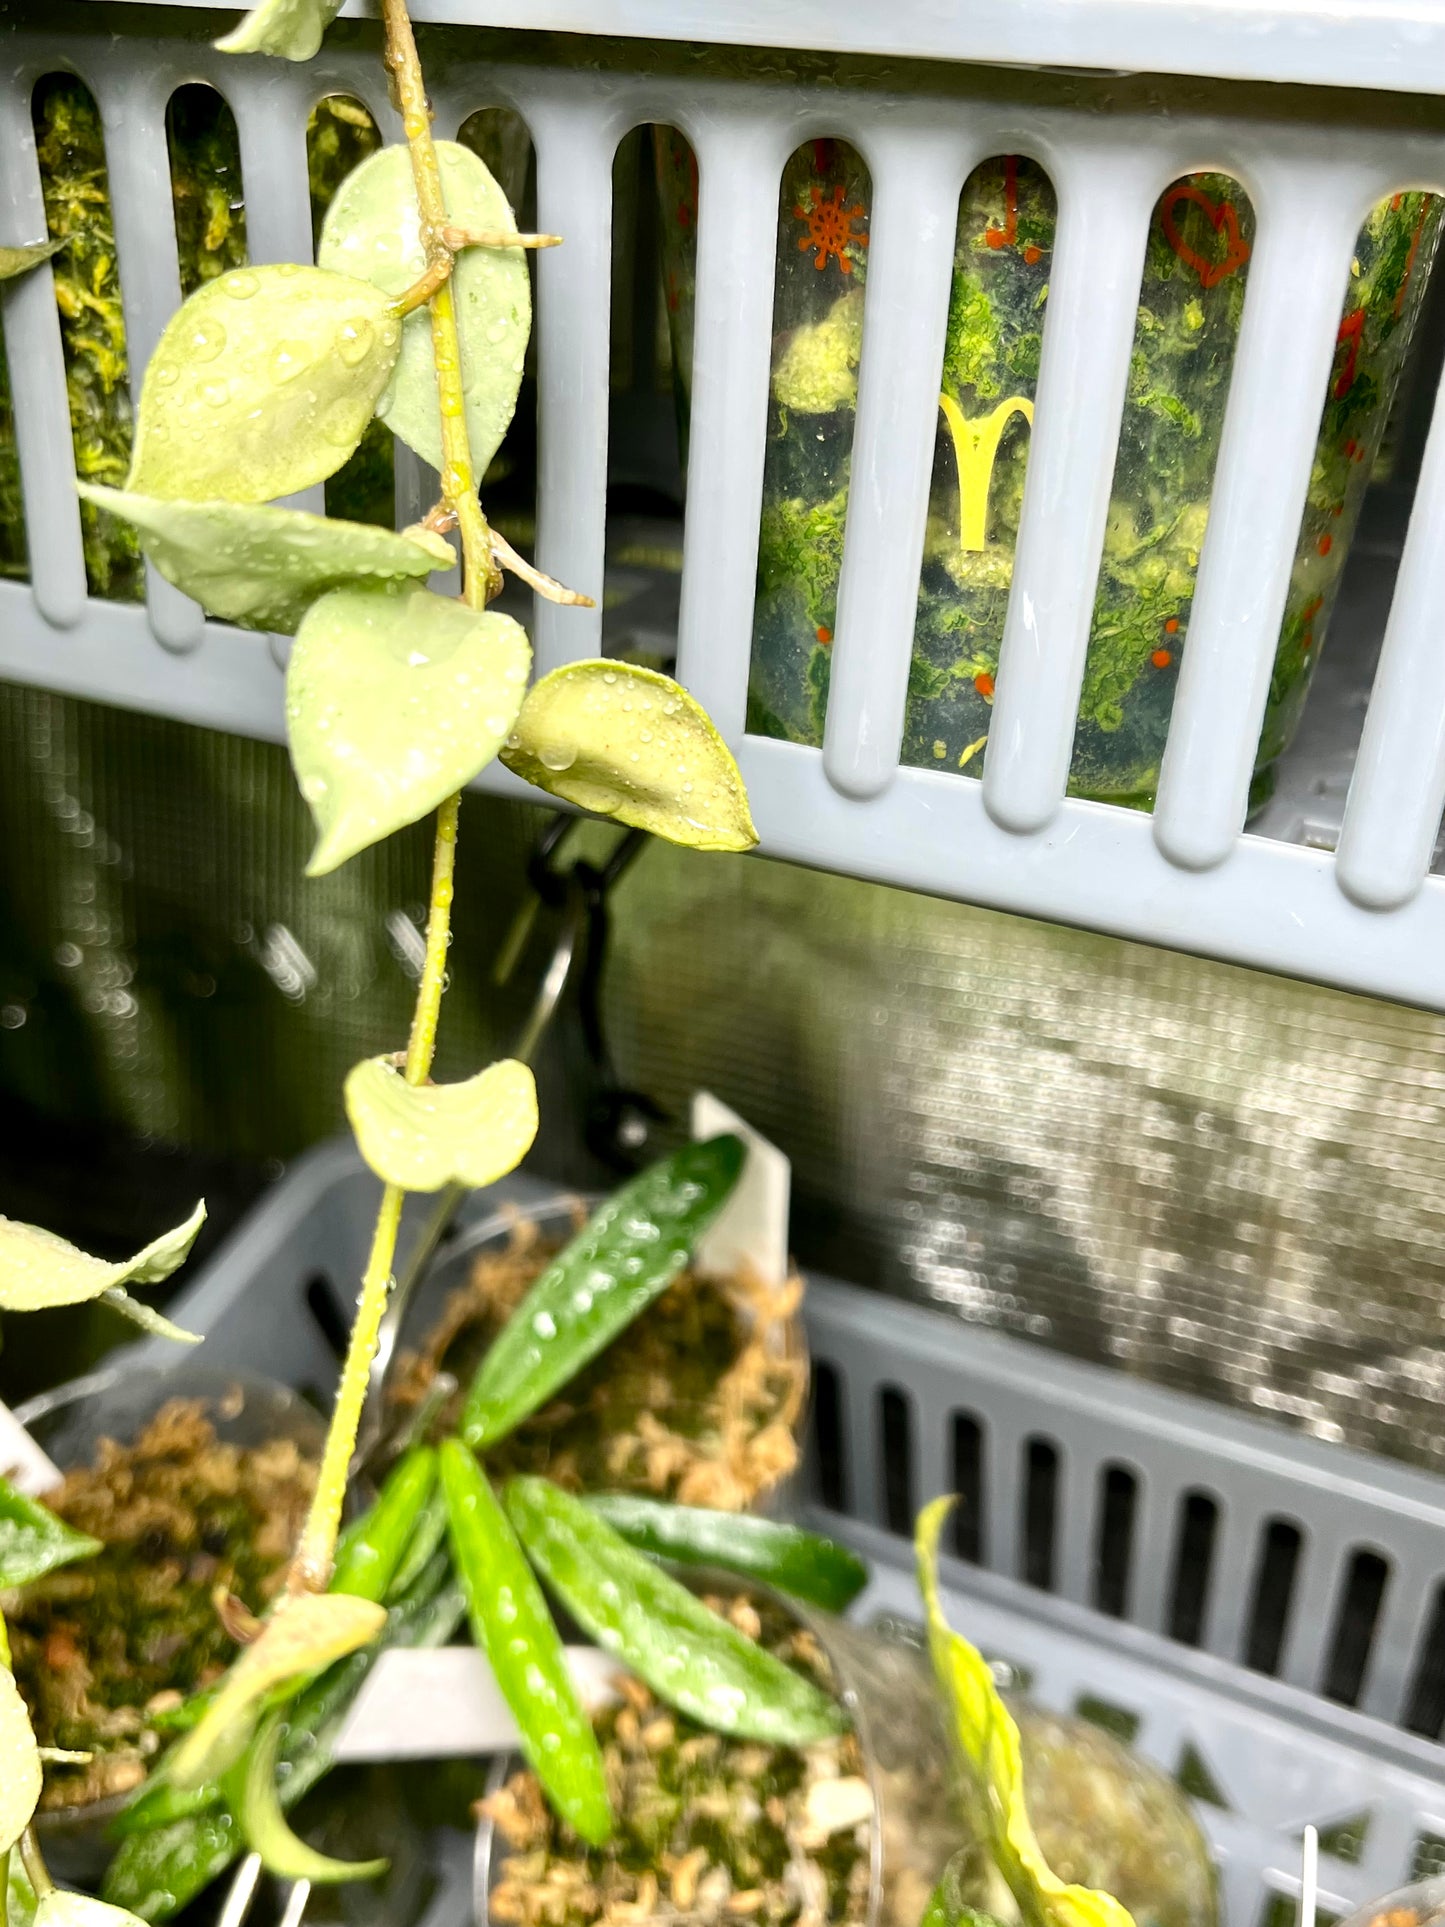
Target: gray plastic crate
{"x":1096,"y":1488}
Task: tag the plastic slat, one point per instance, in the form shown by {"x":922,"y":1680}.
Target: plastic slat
{"x":1308,"y":220}
{"x":1397,"y":792}
{"x":916,"y":183}
{"x":1321,"y":1574}
{"x":42,"y":408}
{"x":575,"y":144}
{"x":1077,"y":1508}
{"x":133,"y":115}
{"x":1152,"y":1552}
{"x":1105,"y":195}
{"x":740,"y":158}
{"x":1404,"y":1619}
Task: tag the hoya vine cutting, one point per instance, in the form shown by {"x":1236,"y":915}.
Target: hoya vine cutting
{"x":261,"y":386}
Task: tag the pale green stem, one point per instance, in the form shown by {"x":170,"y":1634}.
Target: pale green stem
{"x":33,"y":1861}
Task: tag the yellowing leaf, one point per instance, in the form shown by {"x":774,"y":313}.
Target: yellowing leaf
{"x":38,"y":1270}
{"x":269,"y":1833}
{"x":262,"y":383}
{"x":264,"y":567}
{"x":15,"y":261}
{"x":305,"y":1632}
{"x":392,"y":703}
{"x":372,"y":231}
{"x":422,"y":1136}
{"x":20,"y":1777}
{"x":61,"y":1908}
{"x":290,"y":28}
{"x":633,"y":745}
{"x":989,"y":1742}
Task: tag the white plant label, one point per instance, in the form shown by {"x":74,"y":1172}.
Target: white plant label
{"x":752,"y":1227}
{"x":21,"y":1460}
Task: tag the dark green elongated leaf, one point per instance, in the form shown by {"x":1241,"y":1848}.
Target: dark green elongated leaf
{"x":158,"y":1870}
{"x":33,"y":1540}
{"x":688,"y":1655}
{"x":291,"y":29}
{"x":429,"y":1532}
{"x":629,"y":1251}
{"x":393,"y":702}
{"x":372,"y":232}
{"x":265,"y":1825}
{"x":633,"y":745}
{"x":802,"y":1564}
{"x":424,"y":1136}
{"x":371,"y":1550}
{"x":14,"y":261}
{"x":263,"y":567}
{"x":512,"y":1626}
{"x":262,"y":383}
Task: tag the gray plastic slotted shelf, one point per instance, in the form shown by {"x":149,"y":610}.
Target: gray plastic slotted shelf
{"x":1272,"y":1754}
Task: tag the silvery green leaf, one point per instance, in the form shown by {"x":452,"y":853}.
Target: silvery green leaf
{"x":33,"y":1540}
{"x":262,"y":383}
{"x":20,"y":1776}
{"x":264,"y":567}
{"x":393,"y":702}
{"x":15,"y":261}
{"x":422,"y":1136}
{"x":373,"y":231}
{"x":291,"y":29}
{"x":633,"y":745}
{"x":62,"y":1908}
{"x":37,"y":1269}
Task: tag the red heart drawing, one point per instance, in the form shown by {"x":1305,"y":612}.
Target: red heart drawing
{"x":1222,"y":218}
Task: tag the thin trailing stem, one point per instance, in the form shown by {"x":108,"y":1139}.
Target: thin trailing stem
{"x":33,"y":1861}
{"x":481,"y":580}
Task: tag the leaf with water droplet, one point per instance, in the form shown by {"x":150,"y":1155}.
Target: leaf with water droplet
{"x":15,"y":261}
{"x":422,"y":1136}
{"x":633,"y":745}
{"x":38,"y":1270}
{"x":20,"y":1776}
{"x":262,"y":383}
{"x":305,"y":1632}
{"x":264,"y":567}
{"x":372,"y":231}
{"x":393,"y":702}
{"x":291,"y":29}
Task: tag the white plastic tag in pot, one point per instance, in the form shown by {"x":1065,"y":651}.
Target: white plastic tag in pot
{"x":752,"y":1228}
{"x":21,"y":1460}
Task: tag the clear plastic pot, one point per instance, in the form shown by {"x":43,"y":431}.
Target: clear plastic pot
{"x":1422,"y":1904}
{"x":1191,"y":301}
{"x":783,"y":1336}
{"x":70,"y":1423}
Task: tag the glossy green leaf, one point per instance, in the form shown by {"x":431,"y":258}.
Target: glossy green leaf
{"x":988,"y":1741}
{"x":20,"y":1776}
{"x":33,"y":1541}
{"x":394,"y":701}
{"x":689,"y":1655}
{"x":291,"y":29}
{"x":14,"y":261}
{"x":424,"y":1136}
{"x":372,"y":232}
{"x":305,"y":1632}
{"x":62,"y":1908}
{"x":268,"y":1831}
{"x":633,"y":745}
{"x":264,"y":567}
{"x":38,"y":1270}
{"x":629,"y":1251}
{"x":512,"y":1626}
{"x":262,"y":383}
{"x":371,"y":1549}
{"x":802,"y":1564}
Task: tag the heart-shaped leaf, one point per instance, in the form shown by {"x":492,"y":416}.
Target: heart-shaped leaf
{"x":392,"y":703}
{"x":33,"y":1541}
{"x":264,"y":567}
{"x":291,"y":29}
{"x":305,"y":1632}
{"x":15,"y":261}
{"x":262,"y":383}
{"x":38,"y":1270}
{"x":20,"y":1775}
{"x":633,"y":745}
{"x":373,"y":231}
{"x":422,"y":1136}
